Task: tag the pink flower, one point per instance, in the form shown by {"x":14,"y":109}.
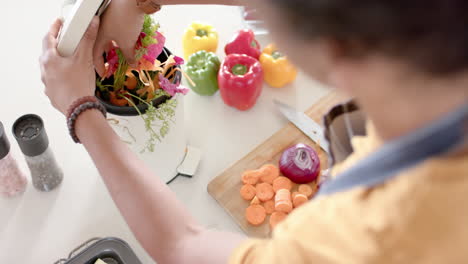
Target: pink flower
{"x":171,"y":88}
{"x":139,"y":43}
{"x":153,"y":50}
{"x":160,"y":38}
{"x":113,"y":61}
{"x":178,"y":60}
{"x":146,"y":65}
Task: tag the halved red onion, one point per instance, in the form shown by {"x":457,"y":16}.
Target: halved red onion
{"x":300,"y":163}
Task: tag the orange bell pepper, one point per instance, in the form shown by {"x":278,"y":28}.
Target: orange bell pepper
{"x":278,"y":70}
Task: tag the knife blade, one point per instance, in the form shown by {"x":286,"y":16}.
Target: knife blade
{"x":304,"y":123}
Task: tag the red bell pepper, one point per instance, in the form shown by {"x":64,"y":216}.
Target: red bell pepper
{"x":240,"y":81}
{"x":244,"y":43}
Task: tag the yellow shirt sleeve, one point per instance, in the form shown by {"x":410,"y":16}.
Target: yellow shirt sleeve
{"x":314,"y":233}
{"x":417,"y":218}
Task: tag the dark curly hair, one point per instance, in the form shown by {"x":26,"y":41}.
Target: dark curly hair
{"x":429,"y":34}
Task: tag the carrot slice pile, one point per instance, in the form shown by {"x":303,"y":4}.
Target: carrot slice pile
{"x":299,"y":199}
{"x":255,"y":200}
{"x":272,"y":194}
{"x":269,"y":206}
{"x":269,"y":173}
{"x":282,"y":183}
{"x":255,"y":214}
{"x":250,"y":177}
{"x":276,"y":218}
{"x":247,"y":192}
{"x":305,"y":189}
{"x":264,"y":191}
{"x":283,"y":201}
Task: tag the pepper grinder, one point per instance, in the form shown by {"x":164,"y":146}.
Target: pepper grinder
{"x":12,"y":179}
{"x":32,"y":138}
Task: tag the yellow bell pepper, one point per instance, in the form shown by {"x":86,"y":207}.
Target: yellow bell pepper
{"x":198,"y":37}
{"x":278,"y":70}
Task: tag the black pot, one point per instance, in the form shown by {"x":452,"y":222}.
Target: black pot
{"x":130,"y":110}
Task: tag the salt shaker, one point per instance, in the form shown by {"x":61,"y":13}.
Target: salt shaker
{"x":12,"y":180}
{"x":32,"y":138}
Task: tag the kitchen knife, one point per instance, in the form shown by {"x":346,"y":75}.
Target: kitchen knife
{"x":308,"y":126}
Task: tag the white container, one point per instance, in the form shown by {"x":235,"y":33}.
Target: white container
{"x":168,"y":153}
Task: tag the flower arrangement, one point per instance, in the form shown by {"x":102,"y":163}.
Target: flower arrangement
{"x":144,"y":84}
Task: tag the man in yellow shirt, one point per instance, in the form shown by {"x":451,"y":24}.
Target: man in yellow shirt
{"x":418,"y":217}
{"x":400,"y":197}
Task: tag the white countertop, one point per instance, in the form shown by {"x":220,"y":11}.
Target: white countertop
{"x":43,"y":227}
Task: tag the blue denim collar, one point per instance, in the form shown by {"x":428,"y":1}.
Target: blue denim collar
{"x":438,"y":138}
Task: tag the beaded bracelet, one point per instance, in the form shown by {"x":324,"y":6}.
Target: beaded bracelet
{"x":78,"y":110}
{"x":78,"y":102}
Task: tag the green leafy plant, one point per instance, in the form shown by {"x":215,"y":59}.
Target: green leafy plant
{"x":151,"y":79}
{"x":164,"y":113}
{"x":119,"y":75}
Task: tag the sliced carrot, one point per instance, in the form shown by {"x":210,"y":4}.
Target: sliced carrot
{"x":264,"y":191}
{"x":131,"y":81}
{"x":305,"y":189}
{"x":247,"y":192}
{"x":282,"y":183}
{"x":284,"y":206}
{"x":255,"y":214}
{"x":255,"y":200}
{"x":269,"y":173}
{"x":283,"y":195}
{"x":283,"y":201}
{"x":314,"y":188}
{"x":117,"y":101}
{"x":250,"y":177}
{"x":276,"y":218}
{"x":299,"y":200}
{"x":294,"y":195}
{"x":269,"y":206}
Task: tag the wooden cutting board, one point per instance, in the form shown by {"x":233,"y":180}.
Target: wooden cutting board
{"x":225,"y":188}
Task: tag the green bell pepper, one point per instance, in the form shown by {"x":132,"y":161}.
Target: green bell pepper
{"x":202,"y":68}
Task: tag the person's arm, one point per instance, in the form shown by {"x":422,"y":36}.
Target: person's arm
{"x":122,"y":23}
{"x":159,"y":221}
{"x":200,"y":2}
